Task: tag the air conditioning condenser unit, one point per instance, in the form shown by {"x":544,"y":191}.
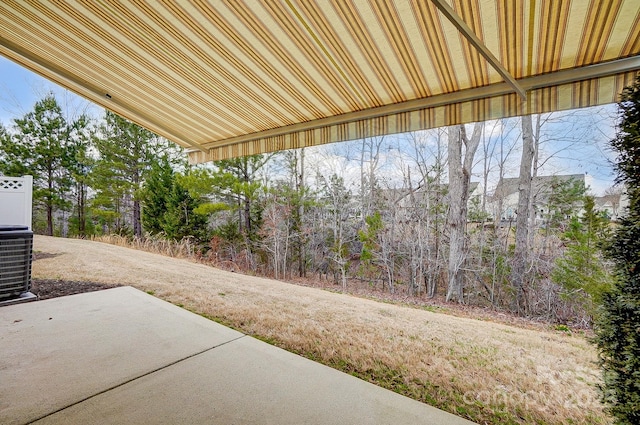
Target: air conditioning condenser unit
{"x":16,"y":248}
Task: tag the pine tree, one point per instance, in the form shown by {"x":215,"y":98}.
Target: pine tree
{"x":563,"y":202}
{"x":237,"y":182}
{"x":80,"y":165}
{"x":127,"y":152}
{"x":180,"y":219}
{"x":12,"y":155}
{"x":618,"y":330}
{"x":41,"y":146}
{"x":154,"y":196}
{"x":582,"y":270}
{"x":235,"y":186}
{"x":370,"y":238}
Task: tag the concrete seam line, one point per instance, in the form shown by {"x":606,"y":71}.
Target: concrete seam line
{"x":134,"y":379}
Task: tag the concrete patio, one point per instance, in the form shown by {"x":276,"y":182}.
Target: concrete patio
{"x":122,"y":356}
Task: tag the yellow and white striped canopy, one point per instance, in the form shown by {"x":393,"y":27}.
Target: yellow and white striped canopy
{"x":238,"y":77}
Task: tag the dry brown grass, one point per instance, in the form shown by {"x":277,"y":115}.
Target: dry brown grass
{"x":487,"y":372}
{"x":179,"y":249}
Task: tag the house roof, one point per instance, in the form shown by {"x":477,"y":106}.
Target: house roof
{"x":541,"y":186}
{"x":612,"y":200}
{"x":421,"y":194}
{"x":246,"y":76}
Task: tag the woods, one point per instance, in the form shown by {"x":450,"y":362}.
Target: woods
{"x":430,"y":214}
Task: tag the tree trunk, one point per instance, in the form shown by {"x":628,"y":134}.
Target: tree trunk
{"x":434,"y":210}
{"x":247,"y":215}
{"x":364,"y":209}
{"x":82,"y":197}
{"x":117,"y":223}
{"x":459,"y":180}
{"x":455,"y":223}
{"x":535,"y":134}
{"x":50,"y":201}
{"x":137,"y":216}
{"x":302,"y":239}
{"x":49,"y":219}
{"x":240,"y":220}
{"x":521,"y":257}
{"x":137,"y":219}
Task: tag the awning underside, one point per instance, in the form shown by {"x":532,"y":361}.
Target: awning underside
{"x":243,"y":77}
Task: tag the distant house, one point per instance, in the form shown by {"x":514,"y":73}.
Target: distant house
{"x":504,"y":201}
{"x":613,"y":205}
{"x":436,"y":194}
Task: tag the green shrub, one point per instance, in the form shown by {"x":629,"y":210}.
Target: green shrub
{"x":618,"y":329}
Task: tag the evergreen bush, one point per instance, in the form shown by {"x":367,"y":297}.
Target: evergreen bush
{"x":618,"y":328}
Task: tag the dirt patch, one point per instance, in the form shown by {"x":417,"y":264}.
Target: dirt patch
{"x":51,"y":288}
{"x":38,"y":255}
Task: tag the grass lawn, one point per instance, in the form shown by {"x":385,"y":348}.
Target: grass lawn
{"x":487,"y":372}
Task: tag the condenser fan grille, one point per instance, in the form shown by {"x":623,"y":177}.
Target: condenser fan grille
{"x":16,"y":244}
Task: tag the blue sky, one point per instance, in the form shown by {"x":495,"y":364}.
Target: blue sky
{"x":20,"y":89}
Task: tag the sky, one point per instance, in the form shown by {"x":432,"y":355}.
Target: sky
{"x":16,"y":90}
{"x":572,"y":142}
{"x":576,"y":141}
{"x":20,"y":89}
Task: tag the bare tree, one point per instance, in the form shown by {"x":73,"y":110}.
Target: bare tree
{"x":275,"y":232}
{"x":369,"y":164}
{"x":521,"y":252}
{"x":460,"y":164}
{"x":337,"y":199}
{"x":426,"y":203}
{"x":298,"y":198}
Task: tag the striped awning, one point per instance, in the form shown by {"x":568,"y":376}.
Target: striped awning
{"x":239,"y":77}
